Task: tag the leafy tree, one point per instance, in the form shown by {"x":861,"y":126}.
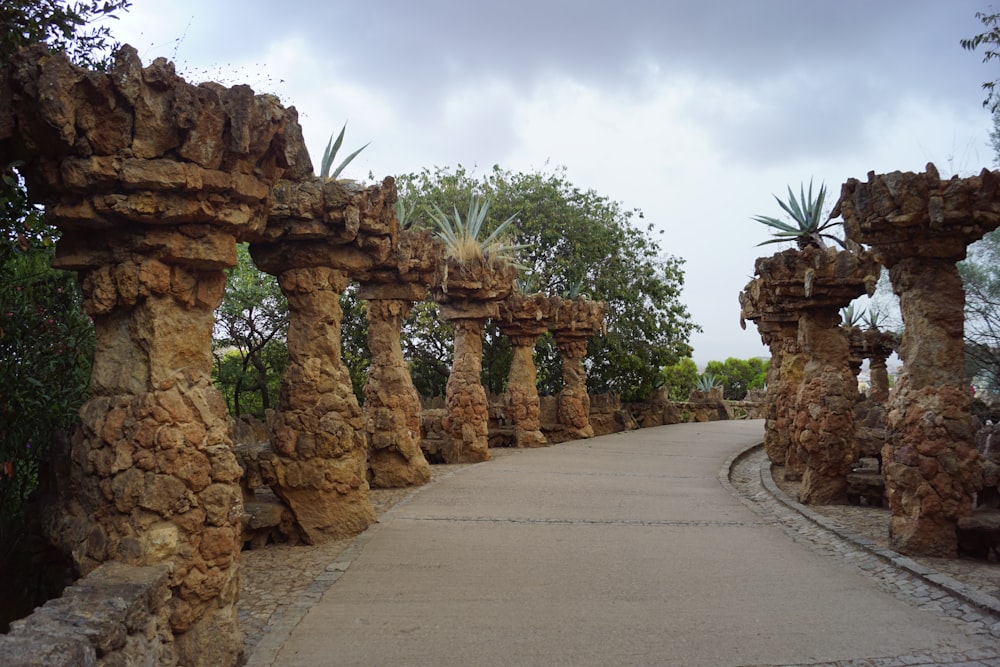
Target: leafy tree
{"x":990,"y":41}
{"x":249,"y":343}
{"x":571,"y":237}
{"x":354,"y":340}
{"x":738,"y":376}
{"x":46,"y":340}
{"x":428,"y":347}
{"x":73,"y":27}
{"x":680,"y":378}
{"x":981,"y":279}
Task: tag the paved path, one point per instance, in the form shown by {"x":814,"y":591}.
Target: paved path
{"x":620,"y":550}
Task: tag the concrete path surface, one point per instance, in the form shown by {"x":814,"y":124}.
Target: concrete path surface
{"x":619,"y":550}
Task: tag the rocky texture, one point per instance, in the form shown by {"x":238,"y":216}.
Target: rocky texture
{"x":523,"y":318}
{"x":778,"y":329}
{"x":879,"y":346}
{"x":319,"y":428}
{"x":113,"y":616}
{"x":320,"y":235}
{"x":152,"y":181}
{"x":469,"y":293}
{"x":816,"y":283}
{"x":573,"y":322}
{"x":392,"y":405}
{"x":919,"y":226}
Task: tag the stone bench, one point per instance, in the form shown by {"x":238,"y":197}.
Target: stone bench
{"x":979,"y":533}
{"x":866,"y":485}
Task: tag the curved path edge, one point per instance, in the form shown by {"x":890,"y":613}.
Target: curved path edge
{"x":982,"y":601}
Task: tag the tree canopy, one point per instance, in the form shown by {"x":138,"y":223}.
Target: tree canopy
{"x":249,"y":340}
{"x":575,"y":242}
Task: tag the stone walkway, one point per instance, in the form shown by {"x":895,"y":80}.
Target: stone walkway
{"x":280,"y":584}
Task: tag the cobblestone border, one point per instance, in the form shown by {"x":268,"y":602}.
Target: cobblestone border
{"x":979,"y":599}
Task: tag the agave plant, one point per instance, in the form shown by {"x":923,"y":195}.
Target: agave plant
{"x":851,"y":316}
{"x":706,"y":382}
{"x":806,"y":212}
{"x":575,"y":290}
{"x":332,"y":146}
{"x":404,"y":213}
{"x":874,"y":318}
{"x":528,"y":283}
{"x":462,"y":236}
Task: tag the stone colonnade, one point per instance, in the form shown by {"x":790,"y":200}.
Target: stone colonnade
{"x":572,"y":322}
{"x":151,"y":182}
{"x":919,"y":226}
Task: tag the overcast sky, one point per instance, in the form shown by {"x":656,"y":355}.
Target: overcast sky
{"x":693,"y":111}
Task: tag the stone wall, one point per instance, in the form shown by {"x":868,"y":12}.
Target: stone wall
{"x":114,"y":616}
{"x":607,"y":415}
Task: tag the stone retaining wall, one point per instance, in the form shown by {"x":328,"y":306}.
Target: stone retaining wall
{"x":116,"y":615}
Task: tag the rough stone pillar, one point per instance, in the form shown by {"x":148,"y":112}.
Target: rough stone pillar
{"x":814,"y":284}
{"x":824,"y":420}
{"x":522,"y":393}
{"x":522,"y":319}
{"x":778,"y":329}
{"x":878,"y":355}
{"x":920,"y":226}
{"x":318,"y":431}
{"x":392,"y":405}
{"x":793,"y":364}
{"x":469,"y":292}
{"x":467,"y":418}
{"x":151,"y":181}
{"x":320,"y":234}
{"x":573,"y":322}
{"x":574,"y":401}
{"x":857,"y":350}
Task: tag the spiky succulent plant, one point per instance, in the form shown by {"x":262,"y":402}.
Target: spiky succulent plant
{"x":332,"y":146}
{"x":852,"y":316}
{"x":462,"y":236}
{"x":809,"y":228}
{"x":706,"y":382}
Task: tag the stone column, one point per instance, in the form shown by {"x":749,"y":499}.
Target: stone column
{"x":318,"y":431}
{"x":573,"y":322}
{"x":152,"y":181}
{"x":320,"y":234}
{"x":778,"y":329}
{"x":522,"y":319}
{"x":392,"y":405}
{"x":814,"y":283}
{"x":467,"y":418}
{"x":574,"y":401}
{"x":824,"y":422}
{"x":469,"y":292}
{"x":793,"y":364}
{"x":920,"y":226}
{"x":880,"y":346}
{"x":857,"y":350}
{"x":522,"y":393}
